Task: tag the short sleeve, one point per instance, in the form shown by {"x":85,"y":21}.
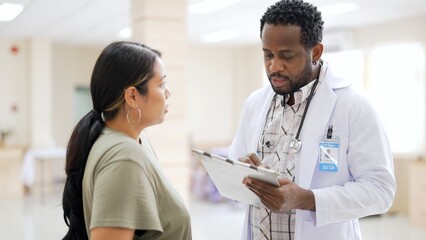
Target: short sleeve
{"x":124,"y":197}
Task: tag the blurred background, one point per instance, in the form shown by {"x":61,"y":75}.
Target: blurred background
{"x":213,"y":57}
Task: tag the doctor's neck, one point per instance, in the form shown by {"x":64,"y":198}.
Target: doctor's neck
{"x":314,"y":76}
{"x":290,"y":101}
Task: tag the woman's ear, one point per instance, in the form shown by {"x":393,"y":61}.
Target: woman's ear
{"x":130,"y":96}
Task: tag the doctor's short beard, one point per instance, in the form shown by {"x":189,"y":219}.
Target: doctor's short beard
{"x":300,"y":80}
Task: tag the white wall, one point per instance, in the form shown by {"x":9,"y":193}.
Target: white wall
{"x":220,"y":78}
{"x":71,"y":67}
{"x":210,"y":77}
{"x":14,"y":90}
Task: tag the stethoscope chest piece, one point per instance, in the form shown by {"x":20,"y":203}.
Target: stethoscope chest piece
{"x":295,"y":145}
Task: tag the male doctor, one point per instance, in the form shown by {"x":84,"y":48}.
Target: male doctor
{"x":318,"y":132}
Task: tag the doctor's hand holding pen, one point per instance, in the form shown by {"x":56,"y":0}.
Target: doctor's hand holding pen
{"x":288,"y":196}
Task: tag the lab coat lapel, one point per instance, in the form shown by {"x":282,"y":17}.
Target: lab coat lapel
{"x":317,"y":117}
{"x":260,"y":117}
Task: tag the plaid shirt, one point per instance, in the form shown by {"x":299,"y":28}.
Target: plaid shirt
{"x":280,"y":128}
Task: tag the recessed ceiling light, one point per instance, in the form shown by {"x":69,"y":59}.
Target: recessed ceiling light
{"x":220,"y":36}
{"x":338,"y":8}
{"x":9,"y":11}
{"x":211,"y":5}
{"x":125,"y":33}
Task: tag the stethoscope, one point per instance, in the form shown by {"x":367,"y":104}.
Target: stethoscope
{"x":295,"y":144}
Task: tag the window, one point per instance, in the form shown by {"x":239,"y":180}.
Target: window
{"x":82,"y":102}
{"x":396,"y":88}
{"x":348,"y":64}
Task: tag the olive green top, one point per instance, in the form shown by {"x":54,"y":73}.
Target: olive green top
{"x":124,"y":186}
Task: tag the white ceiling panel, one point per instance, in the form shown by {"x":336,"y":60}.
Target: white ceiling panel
{"x":97,"y":22}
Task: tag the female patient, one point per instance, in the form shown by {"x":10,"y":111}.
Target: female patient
{"x":115,"y":188}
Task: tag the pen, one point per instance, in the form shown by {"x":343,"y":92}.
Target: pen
{"x":330,"y":132}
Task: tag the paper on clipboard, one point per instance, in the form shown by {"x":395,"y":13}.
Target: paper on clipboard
{"x":228,"y":175}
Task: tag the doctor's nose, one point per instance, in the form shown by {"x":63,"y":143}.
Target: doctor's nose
{"x":276,"y":65}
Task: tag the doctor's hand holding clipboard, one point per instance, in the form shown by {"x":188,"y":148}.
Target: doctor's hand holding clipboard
{"x":284,"y":198}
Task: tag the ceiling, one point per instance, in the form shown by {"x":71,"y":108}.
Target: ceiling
{"x":96,"y":22}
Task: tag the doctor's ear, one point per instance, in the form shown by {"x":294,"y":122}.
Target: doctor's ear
{"x":316,"y":52}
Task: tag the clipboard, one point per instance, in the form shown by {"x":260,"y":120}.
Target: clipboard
{"x":227,"y":175}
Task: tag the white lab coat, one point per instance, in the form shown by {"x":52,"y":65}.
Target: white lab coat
{"x":364,"y":184}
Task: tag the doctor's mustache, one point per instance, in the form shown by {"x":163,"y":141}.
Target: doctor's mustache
{"x":277,"y":75}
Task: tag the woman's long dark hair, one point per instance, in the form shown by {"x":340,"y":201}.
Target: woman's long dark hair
{"x":120,"y":65}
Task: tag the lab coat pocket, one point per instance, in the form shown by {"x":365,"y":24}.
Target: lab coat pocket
{"x":336,"y":231}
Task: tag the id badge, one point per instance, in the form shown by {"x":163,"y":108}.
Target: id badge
{"x":329,"y":154}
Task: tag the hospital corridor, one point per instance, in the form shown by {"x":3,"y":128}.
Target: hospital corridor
{"x":233,"y":78}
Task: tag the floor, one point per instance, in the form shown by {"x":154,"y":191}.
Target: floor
{"x":36,"y":218}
